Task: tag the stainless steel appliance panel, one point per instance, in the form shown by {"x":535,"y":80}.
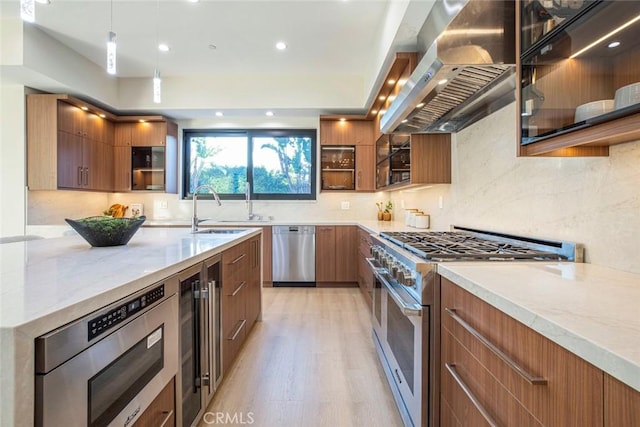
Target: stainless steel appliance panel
{"x":85,"y":390}
{"x":294,"y":253}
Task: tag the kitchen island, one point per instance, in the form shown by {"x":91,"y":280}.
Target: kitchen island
{"x":48,"y":283}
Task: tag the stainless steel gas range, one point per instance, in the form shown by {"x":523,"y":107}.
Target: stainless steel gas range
{"x":406,"y":298}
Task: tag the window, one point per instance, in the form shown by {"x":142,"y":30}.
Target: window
{"x":278,"y":164}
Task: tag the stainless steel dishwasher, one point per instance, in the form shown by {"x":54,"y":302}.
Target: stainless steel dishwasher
{"x":294,"y":255}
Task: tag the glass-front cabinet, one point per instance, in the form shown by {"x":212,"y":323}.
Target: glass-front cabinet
{"x":148,"y":168}
{"x":579,"y":65}
{"x":393,"y":160}
{"x":338,"y":165}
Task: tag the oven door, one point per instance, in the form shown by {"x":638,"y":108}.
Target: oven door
{"x":116,"y":379}
{"x":400,"y":337}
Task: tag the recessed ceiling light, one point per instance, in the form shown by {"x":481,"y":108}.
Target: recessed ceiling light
{"x":84,"y":108}
{"x":420,"y":105}
{"x":391,"y":97}
{"x":163,"y":47}
{"x":342,"y":119}
{"x":391,"y":81}
{"x":613,"y":44}
{"x":281,"y":45}
{"x":102,"y":115}
{"x":374,"y":111}
{"x":404,"y":121}
{"x":194,"y":1}
{"x":141,"y":121}
{"x":219,"y":114}
{"x":382,"y":97}
{"x":43,"y":1}
{"x":443,"y":81}
{"x":269,"y":113}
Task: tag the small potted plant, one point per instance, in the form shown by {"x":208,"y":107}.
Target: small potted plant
{"x":386,"y":215}
{"x":380,"y":206}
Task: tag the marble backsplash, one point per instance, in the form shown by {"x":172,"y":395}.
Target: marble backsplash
{"x":593,"y":201}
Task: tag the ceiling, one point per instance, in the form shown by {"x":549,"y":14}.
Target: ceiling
{"x":217,"y":37}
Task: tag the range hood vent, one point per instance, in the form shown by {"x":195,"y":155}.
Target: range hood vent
{"x":466,"y":73}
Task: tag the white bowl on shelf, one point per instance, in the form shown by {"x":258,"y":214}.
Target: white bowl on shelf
{"x":593,"y":109}
{"x":627,"y":95}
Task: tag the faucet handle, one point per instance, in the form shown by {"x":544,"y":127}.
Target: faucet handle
{"x":203,"y":220}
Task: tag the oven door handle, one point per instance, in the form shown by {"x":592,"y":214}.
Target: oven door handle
{"x":408,"y":308}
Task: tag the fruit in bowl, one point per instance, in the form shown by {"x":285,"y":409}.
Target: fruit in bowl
{"x":105,"y":230}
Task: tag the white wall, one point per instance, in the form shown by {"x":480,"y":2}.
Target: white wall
{"x":12,"y":164}
{"x":594,"y":201}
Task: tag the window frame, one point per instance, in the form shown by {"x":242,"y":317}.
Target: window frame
{"x":250,"y":135}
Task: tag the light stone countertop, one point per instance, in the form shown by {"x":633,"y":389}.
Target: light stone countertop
{"x":590,"y":310}
{"x":47,"y":283}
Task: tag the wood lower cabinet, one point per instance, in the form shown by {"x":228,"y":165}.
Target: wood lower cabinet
{"x":621,"y":404}
{"x":365,"y":276}
{"x":241,"y":296}
{"x":267,"y":257}
{"x":161,"y":412}
{"x":336,"y":255}
{"x":557,"y":388}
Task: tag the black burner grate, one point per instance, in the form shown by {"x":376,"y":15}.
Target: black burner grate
{"x":443,"y":245}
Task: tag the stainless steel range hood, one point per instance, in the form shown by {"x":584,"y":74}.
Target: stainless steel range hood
{"x":467,"y":70}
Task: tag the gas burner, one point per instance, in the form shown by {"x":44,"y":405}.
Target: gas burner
{"x":463,"y":246}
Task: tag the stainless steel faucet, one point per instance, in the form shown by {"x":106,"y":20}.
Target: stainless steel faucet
{"x":249,"y":202}
{"x":195,"y":221}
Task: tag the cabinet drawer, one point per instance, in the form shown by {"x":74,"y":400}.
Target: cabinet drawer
{"x":465,"y":380}
{"x":161,"y":412}
{"x":571,"y":385}
{"x":235,"y":263}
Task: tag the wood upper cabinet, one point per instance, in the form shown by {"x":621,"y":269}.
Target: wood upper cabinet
{"x":142,"y":134}
{"x":336,"y":248}
{"x":357,"y":134}
{"x":365,"y":168}
{"x":410,"y":160}
{"x":533,"y":382}
{"x":121,"y":168}
{"x":621,"y":404}
{"x":347,"y":132}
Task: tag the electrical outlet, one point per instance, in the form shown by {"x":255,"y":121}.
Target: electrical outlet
{"x":345,"y":205}
{"x":440,"y":202}
{"x":164,"y":204}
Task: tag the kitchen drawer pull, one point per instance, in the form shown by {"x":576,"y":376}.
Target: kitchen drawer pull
{"x":452,"y":370}
{"x":531,"y":379}
{"x":234,"y":293}
{"x":166,"y":418}
{"x":237,"y":331}
{"x":238,"y":259}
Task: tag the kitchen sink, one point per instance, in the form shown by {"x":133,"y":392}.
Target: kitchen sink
{"x":221,"y":231}
{"x":243,"y":221}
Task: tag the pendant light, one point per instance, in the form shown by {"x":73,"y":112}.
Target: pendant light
{"x":28,"y":10}
{"x":157,"y":81}
{"x":111,"y":45}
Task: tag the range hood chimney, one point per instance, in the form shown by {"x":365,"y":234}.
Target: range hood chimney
{"x":467,"y":70}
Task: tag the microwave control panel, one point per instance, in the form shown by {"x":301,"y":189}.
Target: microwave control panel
{"x":118,"y":314}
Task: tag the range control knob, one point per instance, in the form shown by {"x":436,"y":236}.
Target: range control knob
{"x":394,"y":268}
{"x":409,"y":280}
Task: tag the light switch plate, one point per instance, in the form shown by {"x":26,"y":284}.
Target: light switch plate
{"x":345,"y":205}
{"x":136,"y":209}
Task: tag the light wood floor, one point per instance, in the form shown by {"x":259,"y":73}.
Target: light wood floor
{"x":310,"y":362}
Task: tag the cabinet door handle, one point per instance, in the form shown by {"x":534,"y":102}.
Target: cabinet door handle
{"x":79,"y":175}
{"x":237,"y":331}
{"x":531,"y":379}
{"x":238,"y":289}
{"x":238,"y":259}
{"x":168,"y":415}
{"x":359,"y":179}
{"x":467,"y":391}
{"x":86,"y":176}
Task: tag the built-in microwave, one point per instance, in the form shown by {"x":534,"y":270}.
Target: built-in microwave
{"x":109,"y":366}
